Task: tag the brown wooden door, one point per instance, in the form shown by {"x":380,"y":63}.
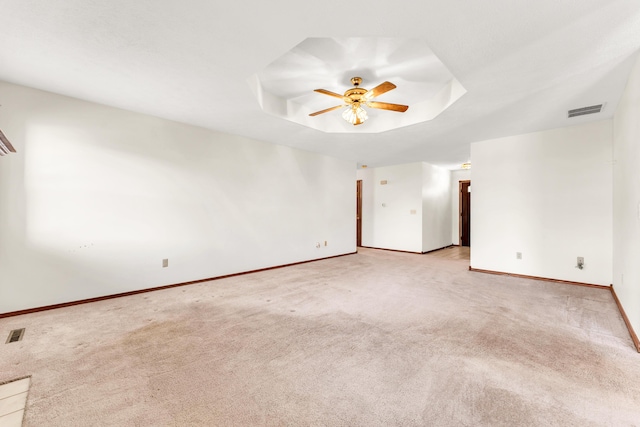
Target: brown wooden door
{"x":359,"y":212}
{"x":465,"y":213}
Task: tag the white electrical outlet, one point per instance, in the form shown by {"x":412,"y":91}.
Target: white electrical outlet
{"x":518,"y":255}
{"x":165,"y":262}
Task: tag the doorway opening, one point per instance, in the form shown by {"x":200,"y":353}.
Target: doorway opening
{"x":465,"y":213}
{"x":359,"y":212}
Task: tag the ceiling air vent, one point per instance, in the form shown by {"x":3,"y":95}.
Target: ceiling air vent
{"x":15,"y":335}
{"x":5,"y":145}
{"x":585,"y":110}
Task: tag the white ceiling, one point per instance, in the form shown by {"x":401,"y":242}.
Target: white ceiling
{"x":523,"y":63}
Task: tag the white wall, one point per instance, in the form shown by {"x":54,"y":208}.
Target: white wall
{"x":96,"y":197}
{"x":387,"y":221}
{"x":436,"y":207}
{"x":456,"y":177}
{"x":547,"y":195}
{"x":626,"y":199}
{"x":411,"y":212}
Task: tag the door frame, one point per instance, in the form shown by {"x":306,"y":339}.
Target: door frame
{"x":359,"y":213}
{"x":466,"y":181}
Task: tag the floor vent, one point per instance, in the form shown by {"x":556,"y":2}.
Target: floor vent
{"x":15,"y":335}
{"x":585,"y":110}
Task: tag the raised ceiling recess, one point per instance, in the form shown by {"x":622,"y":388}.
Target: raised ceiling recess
{"x":285,"y":88}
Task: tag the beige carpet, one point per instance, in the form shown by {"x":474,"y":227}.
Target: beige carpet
{"x":373,"y":339}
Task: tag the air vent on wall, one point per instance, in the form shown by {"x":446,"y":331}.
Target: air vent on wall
{"x":5,"y":145}
{"x":585,"y":110}
{"x":15,"y":335}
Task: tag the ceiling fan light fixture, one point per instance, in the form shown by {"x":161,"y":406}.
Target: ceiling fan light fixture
{"x":355,"y":114}
{"x":356,"y":97}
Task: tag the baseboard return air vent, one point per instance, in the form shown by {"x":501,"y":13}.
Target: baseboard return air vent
{"x":15,"y":336}
{"x":585,"y":110}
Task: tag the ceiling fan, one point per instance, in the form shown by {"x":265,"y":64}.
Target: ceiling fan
{"x":355,"y":98}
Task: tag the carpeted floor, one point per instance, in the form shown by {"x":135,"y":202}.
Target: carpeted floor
{"x":374,"y":339}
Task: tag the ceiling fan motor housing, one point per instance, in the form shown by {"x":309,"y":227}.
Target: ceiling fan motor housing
{"x":355,"y":94}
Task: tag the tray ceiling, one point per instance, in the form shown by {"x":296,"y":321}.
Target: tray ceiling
{"x":523,"y":64}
